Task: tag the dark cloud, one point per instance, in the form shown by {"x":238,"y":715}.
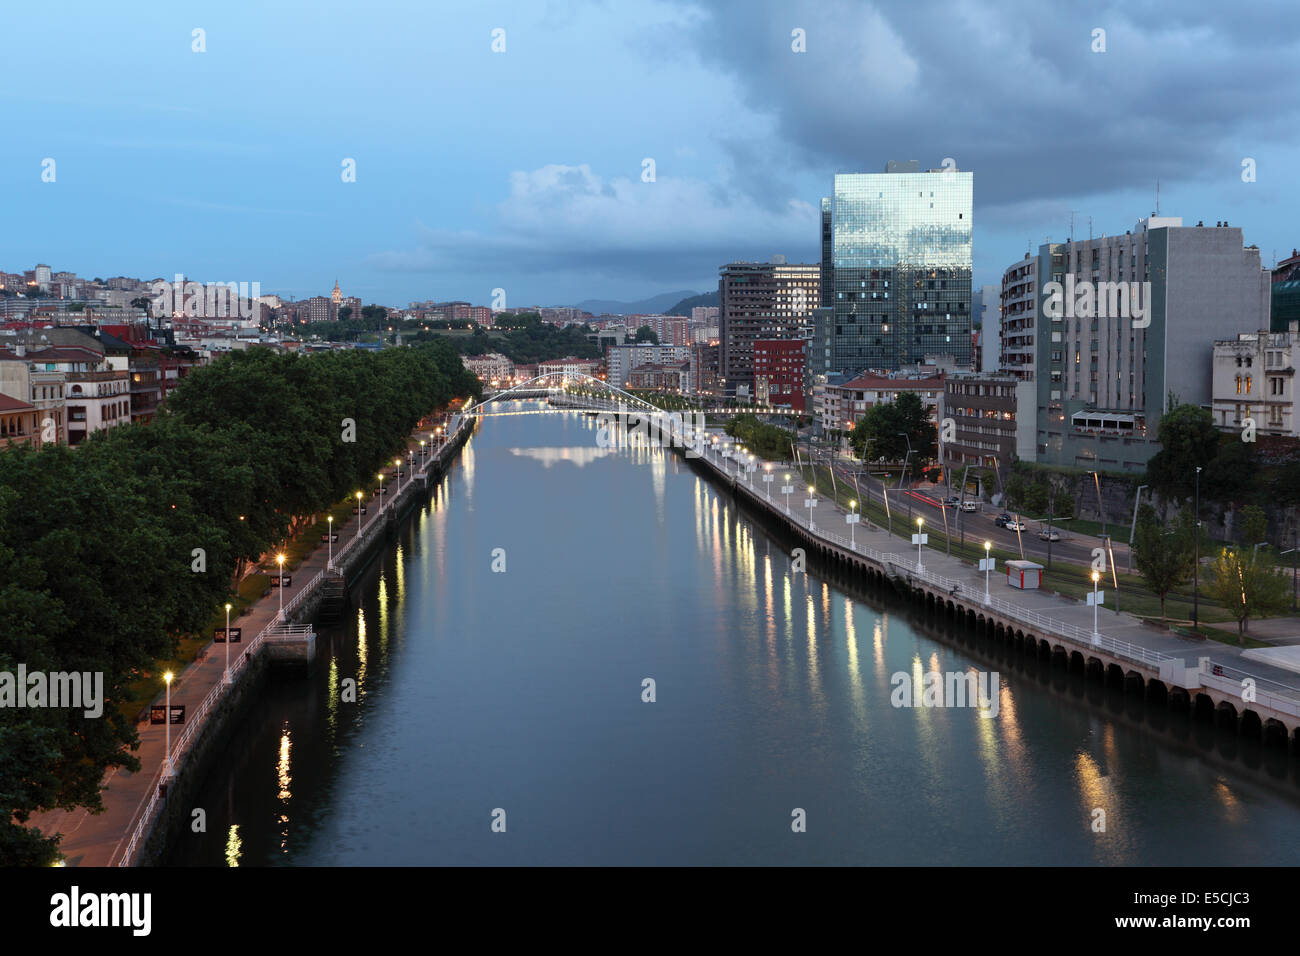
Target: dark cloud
{"x":1011,"y":89}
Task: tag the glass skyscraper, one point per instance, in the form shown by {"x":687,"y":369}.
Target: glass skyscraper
{"x":896,"y":269}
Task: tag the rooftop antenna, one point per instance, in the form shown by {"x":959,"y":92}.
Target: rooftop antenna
{"x":1090,"y":229}
{"x":1071,"y":227}
{"x":1157,"y":198}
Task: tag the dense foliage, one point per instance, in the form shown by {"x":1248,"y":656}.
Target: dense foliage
{"x":891,"y":426}
{"x":97,"y":543}
{"x":770,"y":442}
{"x":524,"y":339}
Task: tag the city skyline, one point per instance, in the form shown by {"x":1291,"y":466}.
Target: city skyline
{"x":742,"y":137}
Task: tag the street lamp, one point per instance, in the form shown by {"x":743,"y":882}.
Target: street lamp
{"x":986,"y":566}
{"x":397,"y":466}
{"x":358,"y":516}
{"x":1095,"y":600}
{"x":768,"y":477}
{"x":421,"y":451}
{"x":852,"y":519}
{"x":167,"y":723}
{"x":330,"y":539}
{"x":810,"y":503}
{"x":227,"y":674}
{"x":279,"y":559}
{"x":787,"y":489}
{"x":381,"y":492}
{"x":919,"y":540}
{"x":1196,"y":552}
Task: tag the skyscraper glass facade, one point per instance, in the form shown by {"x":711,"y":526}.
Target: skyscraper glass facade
{"x":900,"y":267}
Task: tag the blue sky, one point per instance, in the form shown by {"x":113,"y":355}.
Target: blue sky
{"x":522,"y":170}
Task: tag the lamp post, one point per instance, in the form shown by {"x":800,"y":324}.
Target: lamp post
{"x":852,"y":519}
{"x":167,"y":723}
{"x":767,"y":479}
{"x":279,"y":560}
{"x":381,"y":492}
{"x":358,"y":516}
{"x":330,"y":541}
{"x":987,"y":564}
{"x":906,"y":458}
{"x":422,"y":451}
{"x":1196,"y":552}
{"x":227,"y":674}
{"x":397,"y":466}
{"x":811,"y":503}
{"x":1095,"y":600}
{"x":788,"y":489}
{"x":919,"y":538}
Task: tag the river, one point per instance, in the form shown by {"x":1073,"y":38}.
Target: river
{"x":498,"y":650}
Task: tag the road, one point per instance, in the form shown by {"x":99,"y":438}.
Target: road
{"x":909,"y":503}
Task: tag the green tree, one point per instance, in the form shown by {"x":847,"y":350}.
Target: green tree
{"x":1188,"y":439}
{"x":1254,"y":525}
{"x":893,"y":427}
{"x":1164,"y":555}
{"x":646,"y":334}
{"x":1248,"y":585}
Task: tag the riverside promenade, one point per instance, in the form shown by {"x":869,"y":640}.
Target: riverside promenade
{"x":132,"y":801}
{"x":1252,"y":694}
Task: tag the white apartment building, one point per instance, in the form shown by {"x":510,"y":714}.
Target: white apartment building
{"x":621,"y":359}
{"x":490,"y":367}
{"x":1254,"y":378}
{"x":840,"y":405}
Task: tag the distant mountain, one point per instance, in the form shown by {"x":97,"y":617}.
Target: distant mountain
{"x":694,"y":302}
{"x":655,"y":305}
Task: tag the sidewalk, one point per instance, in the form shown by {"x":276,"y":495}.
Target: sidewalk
{"x":99,"y":839}
{"x":828,"y":521}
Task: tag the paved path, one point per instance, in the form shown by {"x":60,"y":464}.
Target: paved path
{"x":829,"y":521}
{"x":99,"y":839}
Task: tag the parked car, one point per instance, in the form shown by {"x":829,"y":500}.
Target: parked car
{"x":970,"y":504}
{"x":952,"y":501}
{"x":1002,"y":519}
{"x":1014,"y":525}
{"x":1052,"y":535}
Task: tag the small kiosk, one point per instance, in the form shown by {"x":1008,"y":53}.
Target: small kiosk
{"x":1025,"y":575}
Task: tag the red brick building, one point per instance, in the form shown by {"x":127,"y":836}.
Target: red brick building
{"x":780,"y":372}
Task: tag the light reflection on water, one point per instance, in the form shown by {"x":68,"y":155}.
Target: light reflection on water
{"x":477,"y":689}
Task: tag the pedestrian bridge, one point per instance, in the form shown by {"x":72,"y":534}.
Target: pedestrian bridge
{"x":578,"y":392}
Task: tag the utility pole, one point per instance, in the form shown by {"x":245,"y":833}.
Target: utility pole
{"x":1196,"y":553}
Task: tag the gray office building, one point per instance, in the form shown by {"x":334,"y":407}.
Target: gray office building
{"x":896,"y":266}
{"x":1109,"y":350}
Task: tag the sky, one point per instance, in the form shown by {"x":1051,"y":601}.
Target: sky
{"x":524,"y":168}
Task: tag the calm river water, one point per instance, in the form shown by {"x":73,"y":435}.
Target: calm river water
{"x":482,"y":690}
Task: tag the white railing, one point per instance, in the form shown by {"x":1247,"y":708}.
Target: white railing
{"x":306,"y":590}
{"x":192,"y":724}
{"x":1042,"y":622}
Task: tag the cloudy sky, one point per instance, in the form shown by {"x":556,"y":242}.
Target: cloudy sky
{"x":523,"y":169}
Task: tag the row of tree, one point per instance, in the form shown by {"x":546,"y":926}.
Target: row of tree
{"x":111,"y":551}
{"x":1244,"y":580}
{"x":769,"y":442}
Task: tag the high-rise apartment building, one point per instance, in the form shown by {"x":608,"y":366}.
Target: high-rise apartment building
{"x":761,"y":300}
{"x":896,"y":266}
{"x":1118,"y":324}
